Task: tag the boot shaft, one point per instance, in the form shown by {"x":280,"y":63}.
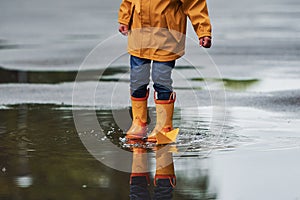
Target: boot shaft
{"x":164,"y":112}
{"x":138,"y":127}
{"x":139,"y":109}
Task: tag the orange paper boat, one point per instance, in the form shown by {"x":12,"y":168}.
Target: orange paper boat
{"x":167,"y":138}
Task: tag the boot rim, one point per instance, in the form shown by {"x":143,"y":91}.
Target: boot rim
{"x":171,"y":99}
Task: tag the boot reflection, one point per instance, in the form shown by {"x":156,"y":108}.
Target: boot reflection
{"x":165,"y":179}
{"x":139,"y":178}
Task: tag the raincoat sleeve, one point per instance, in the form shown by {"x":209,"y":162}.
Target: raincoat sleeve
{"x":197,"y":12}
{"x":125,"y":12}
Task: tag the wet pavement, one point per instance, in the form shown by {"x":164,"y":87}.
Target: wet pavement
{"x":237,"y":104}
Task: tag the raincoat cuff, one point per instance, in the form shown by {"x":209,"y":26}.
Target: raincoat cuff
{"x":122,"y":21}
{"x":207,"y":34}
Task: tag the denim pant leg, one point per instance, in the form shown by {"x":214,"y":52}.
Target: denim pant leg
{"x":139,"y":76}
{"x":161,"y":76}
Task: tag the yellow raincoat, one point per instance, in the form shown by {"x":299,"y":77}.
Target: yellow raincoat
{"x":158,"y":27}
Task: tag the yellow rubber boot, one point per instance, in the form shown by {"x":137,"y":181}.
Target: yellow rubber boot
{"x":162,"y":132}
{"x":164,"y":166}
{"x":138,"y":129}
{"x":139,"y":178}
{"x":140,"y":163}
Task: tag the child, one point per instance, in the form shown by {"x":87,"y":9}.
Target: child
{"x":156,"y":33}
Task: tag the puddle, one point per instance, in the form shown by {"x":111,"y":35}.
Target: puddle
{"x":53,"y":77}
{"x":232,"y":84}
{"x":42,"y":152}
{"x":41,"y":149}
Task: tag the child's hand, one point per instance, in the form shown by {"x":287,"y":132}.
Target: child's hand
{"x":123,"y":29}
{"x":205,"y":42}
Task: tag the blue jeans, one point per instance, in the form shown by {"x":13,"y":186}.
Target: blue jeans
{"x":140,"y":77}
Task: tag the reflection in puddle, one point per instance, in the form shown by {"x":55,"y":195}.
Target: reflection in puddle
{"x":23,"y":181}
